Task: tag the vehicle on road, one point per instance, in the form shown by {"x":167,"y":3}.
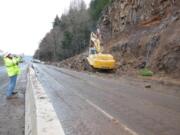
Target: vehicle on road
{"x":36,"y":61}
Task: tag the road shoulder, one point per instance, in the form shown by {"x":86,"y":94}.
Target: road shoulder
{"x":40,"y":116}
{"x":12,"y":111}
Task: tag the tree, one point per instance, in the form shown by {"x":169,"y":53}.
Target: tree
{"x":69,"y":35}
{"x":67,"y":42}
{"x":56,"y":22}
{"x":77,"y":5}
{"x":96,"y":7}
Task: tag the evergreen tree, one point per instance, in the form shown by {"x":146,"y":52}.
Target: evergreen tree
{"x":69,"y":35}
{"x":67,"y":42}
{"x":57,"y":21}
{"x":96,"y":7}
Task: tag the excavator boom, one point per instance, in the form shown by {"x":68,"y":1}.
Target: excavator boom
{"x":99,"y":60}
{"x":96,"y":42}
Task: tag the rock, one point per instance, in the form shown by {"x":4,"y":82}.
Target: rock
{"x":148,"y":86}
{"x":141,"y":65}
{"x":152,"y":30}
{"x":121,"y":13}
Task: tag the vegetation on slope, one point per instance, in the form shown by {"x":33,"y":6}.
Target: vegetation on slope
{"x":142,"y":36}
{"x":70,"y":33}
{"x":96,"y":7}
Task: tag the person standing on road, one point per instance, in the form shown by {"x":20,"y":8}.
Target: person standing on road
{"x":13,"y":70}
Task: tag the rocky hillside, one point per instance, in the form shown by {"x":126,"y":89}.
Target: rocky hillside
{"x":140,"y":33}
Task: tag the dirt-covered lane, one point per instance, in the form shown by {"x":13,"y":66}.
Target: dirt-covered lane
{"x":91,"y":105}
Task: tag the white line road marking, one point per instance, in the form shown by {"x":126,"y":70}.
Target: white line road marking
{"x":108,"y":115}
{"x":101,"y":110}
{"x":130,"y":131}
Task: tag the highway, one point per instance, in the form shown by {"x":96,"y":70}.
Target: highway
{"x":3,"y":78}
{"x":12,"y":111}
{"x":90,"y":105}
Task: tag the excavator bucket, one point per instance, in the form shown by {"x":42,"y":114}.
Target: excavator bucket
{"x":101,"y":61}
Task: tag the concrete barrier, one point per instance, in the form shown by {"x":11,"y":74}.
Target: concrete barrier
{"x":40,"y":117}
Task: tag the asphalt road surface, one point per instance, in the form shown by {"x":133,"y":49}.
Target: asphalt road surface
{"x":90,"y":105}
{"x":3,"y":76}
{"x":12,"y":111}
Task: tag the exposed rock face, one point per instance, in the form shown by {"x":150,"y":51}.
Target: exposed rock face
{"x":140,"y":33}
{"x":143,"y":33}
{"x":122,"y":13}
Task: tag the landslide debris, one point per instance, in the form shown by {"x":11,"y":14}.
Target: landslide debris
{"x":139,"y":33}
{"x":77,"y":62}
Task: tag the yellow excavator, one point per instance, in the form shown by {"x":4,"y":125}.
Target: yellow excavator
{"x":96,"y":59}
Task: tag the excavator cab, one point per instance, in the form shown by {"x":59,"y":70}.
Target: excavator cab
{"x":96,"y":58}
{"x":92,"y":50}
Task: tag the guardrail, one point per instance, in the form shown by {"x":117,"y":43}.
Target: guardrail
{"x":40,"y":117}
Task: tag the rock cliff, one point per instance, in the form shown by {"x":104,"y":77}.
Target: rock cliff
{"x":143,"y":33}
{"x":140,"y":33}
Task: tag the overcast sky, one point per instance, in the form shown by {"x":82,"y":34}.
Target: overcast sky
{"x":23,"y":23}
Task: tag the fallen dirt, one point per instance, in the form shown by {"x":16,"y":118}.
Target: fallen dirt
{"x":77,"y":62}
{"x":12,"y":111}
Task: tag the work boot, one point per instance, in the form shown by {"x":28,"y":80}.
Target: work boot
{"x":14,"y":93}
{"x":12,"y":97}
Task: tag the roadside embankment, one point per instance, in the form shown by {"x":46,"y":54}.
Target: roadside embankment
{"x":40,"y":117}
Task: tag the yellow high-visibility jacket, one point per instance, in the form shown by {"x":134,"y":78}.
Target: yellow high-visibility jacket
{"x":12,"y":66}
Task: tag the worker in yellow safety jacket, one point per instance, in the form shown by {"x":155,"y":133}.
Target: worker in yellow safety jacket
{"x":13,"y":70}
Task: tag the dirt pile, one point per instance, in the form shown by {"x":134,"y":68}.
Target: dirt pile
{"x":77,"y":62}
{"x":140,"y":33}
